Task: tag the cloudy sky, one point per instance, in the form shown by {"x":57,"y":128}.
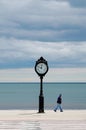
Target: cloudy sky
{"x":54,"y":29}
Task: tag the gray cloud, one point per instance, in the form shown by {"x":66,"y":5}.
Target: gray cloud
{"x":59,"y":54}
{"x":54,"y":21}
{"x":54,"y":29}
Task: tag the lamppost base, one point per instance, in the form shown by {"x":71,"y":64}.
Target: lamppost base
{"x":41,"y":104}
{"x":41,"y":112}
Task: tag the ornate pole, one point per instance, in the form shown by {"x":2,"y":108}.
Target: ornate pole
{"x":41,"y":68}
{"x":41,"y":97}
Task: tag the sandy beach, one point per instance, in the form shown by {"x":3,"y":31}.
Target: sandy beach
{"x":50,"y":120}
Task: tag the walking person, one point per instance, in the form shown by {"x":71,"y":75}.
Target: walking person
{"x":59,"y":102}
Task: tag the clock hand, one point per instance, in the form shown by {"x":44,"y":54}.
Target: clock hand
{"x":40,"y":67}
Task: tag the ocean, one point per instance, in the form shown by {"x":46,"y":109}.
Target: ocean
{"x":26,"y":95}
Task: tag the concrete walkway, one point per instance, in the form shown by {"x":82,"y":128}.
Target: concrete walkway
{"x":50,"y":120}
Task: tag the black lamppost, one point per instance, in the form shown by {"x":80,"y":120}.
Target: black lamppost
{"x":41,"y":68}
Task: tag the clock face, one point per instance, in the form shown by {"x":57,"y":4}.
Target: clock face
{"x":41,"y":68}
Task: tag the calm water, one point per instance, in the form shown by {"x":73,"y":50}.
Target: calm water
{"x":25,"y":95}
